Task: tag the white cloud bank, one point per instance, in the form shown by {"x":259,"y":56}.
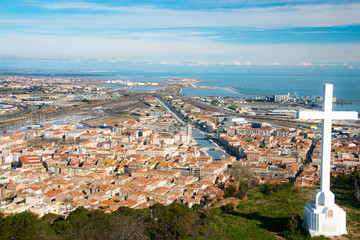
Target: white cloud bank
{"x":90,"y":15}
{"x":154,"y":34}
{"x":305,"y":64}
{"x":176,"y":51}
{"x":274,"y":17}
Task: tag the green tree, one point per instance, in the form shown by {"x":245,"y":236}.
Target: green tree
{"x":171,"y":222}
{"x":229,"y":191}
{"x":51,"y":218}
{"x":24,"y":226}
{"x":61,"y":228}
{"x":240,"y":175}
{"x":228,"y":207}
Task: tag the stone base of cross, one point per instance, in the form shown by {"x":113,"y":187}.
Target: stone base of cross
{"x":323,"y":216}
{"x":327,"y":220}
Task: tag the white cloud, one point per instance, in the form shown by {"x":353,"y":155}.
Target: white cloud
{"x":201,"y":50}
{"x":74,"y":5}
{"x":159,"y":62}
{"x":85,"y":6}
{"x":153,"y":34}
{"x":202,"y":63}
{"x":117,"y":60}
{"x":275,"y":17}
{"x":237,"y":63}
{"x":304,"y":64}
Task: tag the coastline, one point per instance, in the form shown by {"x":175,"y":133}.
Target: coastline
{"x":257,"y":86}
{"x":349,"y":100}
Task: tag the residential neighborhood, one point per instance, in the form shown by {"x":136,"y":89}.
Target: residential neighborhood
{"x":137,"y":163}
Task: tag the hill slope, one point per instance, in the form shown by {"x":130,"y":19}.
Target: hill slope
{"x":275,"y":214}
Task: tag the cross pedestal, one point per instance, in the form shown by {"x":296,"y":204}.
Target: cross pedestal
{"x":323,"y":216}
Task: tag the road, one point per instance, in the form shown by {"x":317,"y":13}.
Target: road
{"x":24,"y":110}
{"x":171,"y":111}
{"x":282,"y":122}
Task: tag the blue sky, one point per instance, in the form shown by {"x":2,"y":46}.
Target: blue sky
{"x":198,"y":33}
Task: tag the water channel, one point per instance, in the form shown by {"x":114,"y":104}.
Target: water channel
{"x":201,"y":139}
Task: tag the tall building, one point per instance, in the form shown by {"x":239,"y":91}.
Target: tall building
{"x":189,"y":132}
{"x":282,"y":98}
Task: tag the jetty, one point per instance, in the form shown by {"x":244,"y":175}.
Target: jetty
{"x":235,"y":90}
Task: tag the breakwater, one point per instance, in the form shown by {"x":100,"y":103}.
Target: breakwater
{"x":235,"y":90}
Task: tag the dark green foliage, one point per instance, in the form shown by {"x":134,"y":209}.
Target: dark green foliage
{"x":240,"y":192}
{"x":61,"y":228}
{"x":23,"y":226}
{"x":86,"y":224}
{"x":78,"y":213}
{"x":172,"y":222}
{"x":297,"y":235}
{"x":51,"y":218}
{"x":229,"y":191}
{"x":228,"y":207}
{"x":294,"y":228}
{"x":268,"y":188}
{"x":159,"y":222}
{"x":196,"y":208}
{"x":126,"y":211}
{"x":294,"y":222}
{"x":345,"y":189}
{"x":345,"y":181}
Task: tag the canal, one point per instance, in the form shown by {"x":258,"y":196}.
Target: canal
{"x":199,"y":137}
{"x":202,"y":140}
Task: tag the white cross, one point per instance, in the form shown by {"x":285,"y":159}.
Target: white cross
{"x":327,"y":115}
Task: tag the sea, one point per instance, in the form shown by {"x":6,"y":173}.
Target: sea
{"x":258,"y":84}
{"x":254,"y":82}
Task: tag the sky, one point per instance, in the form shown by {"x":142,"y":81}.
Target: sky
{"x":235,"y":33}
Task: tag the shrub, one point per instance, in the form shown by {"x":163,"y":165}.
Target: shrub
{"x":268,"y":188}
{"x":229,"y":191}
{"x":294,"y":222}
{"x":228,"y":207}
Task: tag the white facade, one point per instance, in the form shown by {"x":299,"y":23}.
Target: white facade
{"x":328,"y":220}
